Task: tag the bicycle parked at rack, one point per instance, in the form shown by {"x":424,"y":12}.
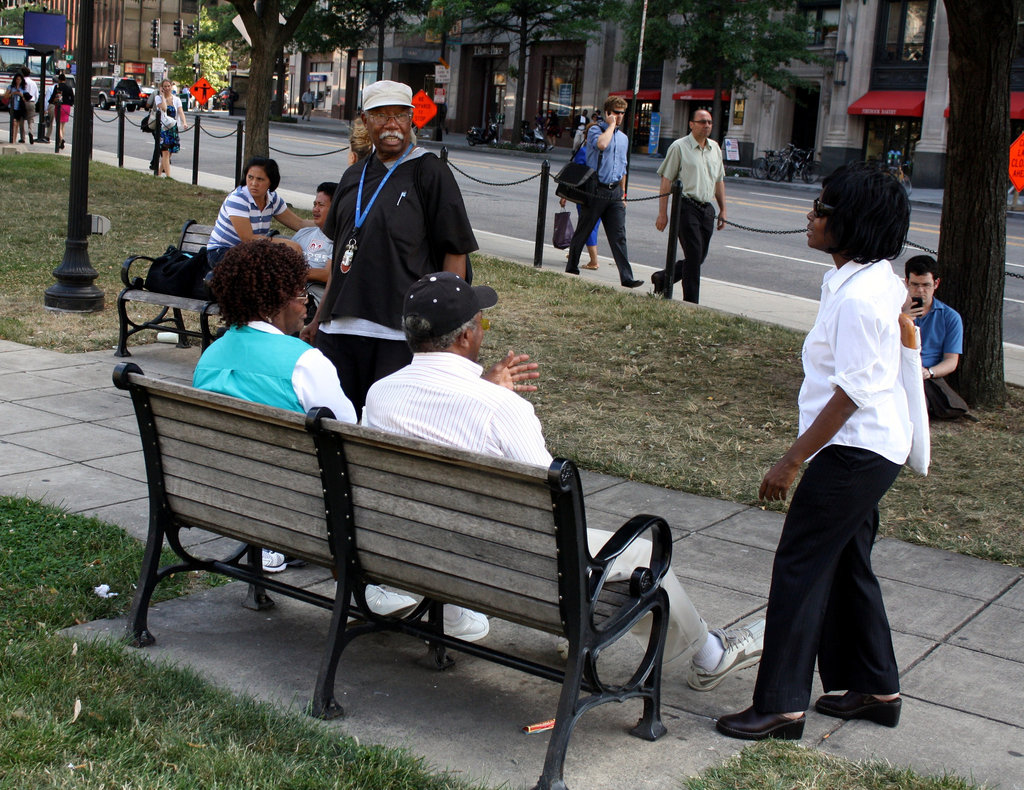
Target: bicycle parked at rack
{"x":789,"y":163}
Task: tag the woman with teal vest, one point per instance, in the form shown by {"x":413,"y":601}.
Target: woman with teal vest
{"x":261,"y":289}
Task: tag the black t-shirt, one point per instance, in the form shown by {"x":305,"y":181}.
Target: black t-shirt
{"x":416,"y":220}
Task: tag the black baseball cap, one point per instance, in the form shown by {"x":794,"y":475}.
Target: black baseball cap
{"x":445,"y":301}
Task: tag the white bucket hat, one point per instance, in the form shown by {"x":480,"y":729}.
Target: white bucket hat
{"x":386,"y":93}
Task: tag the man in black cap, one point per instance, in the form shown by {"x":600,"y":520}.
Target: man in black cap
{"x":442,"y":397}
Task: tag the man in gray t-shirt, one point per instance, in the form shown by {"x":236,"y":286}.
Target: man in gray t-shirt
{"x":314,"y":245}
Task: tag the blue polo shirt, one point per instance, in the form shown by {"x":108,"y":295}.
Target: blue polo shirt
{"x":613,"y":158}
{"x":942,"y":332}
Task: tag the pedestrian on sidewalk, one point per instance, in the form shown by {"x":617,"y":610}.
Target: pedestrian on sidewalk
{"x":33,"y":99}
{"x":825,"y":601}
{"x":169,"y":117}
{"x":695,"y":161}
{"x":307,"y":104}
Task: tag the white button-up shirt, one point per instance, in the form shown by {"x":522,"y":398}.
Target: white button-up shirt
{"x":855,"y":345}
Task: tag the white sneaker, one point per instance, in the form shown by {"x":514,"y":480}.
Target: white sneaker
{"x":273,"y":561}
{"x":465,"y":624}
{"x":743,"y":646}
{"x":386,"y":603}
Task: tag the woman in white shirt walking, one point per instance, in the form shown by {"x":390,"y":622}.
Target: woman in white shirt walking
{"x":167,"y":108}
{"x":825,"y":602}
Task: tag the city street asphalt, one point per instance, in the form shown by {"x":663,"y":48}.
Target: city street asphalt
{"x":69,"y":438}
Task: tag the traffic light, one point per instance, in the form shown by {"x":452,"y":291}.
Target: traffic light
{"x":112,"y":53}
{"x":190,"y":30}
{"x":177,"y":28}
{"x":154,"y":34}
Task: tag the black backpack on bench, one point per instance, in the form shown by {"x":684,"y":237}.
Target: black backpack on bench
{"x":180,"y":273}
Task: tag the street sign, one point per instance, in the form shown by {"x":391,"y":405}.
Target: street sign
{"x":423,"y":109}
{"x":442,"y":74}
{"x":159,"y":64}
{"x":1017,"y":163}
{"x":202,"y":90}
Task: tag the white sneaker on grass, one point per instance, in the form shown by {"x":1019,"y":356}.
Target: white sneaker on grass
{"x":465,"y":624}
{"x":273,"y":561}
{"x":743,"y":646}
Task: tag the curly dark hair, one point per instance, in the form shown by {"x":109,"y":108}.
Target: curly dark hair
{"x":870,"y":213}
{"x":255,"y":279}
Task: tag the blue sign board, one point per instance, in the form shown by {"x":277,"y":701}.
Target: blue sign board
{"x":655,"y":135}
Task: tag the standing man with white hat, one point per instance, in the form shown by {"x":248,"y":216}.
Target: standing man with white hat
{"x":397,"y":216}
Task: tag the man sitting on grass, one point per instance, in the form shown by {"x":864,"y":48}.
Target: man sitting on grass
{"x":442,"y":397}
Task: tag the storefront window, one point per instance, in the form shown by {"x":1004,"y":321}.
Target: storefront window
{"x":561,"y":84}
{"x":738,"y":108}
{"x":887,"y":134}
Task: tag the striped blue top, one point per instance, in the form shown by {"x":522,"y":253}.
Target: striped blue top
{"x":240,"y":204}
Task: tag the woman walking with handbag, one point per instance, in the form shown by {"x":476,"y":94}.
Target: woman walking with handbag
{"x":16,"y":96}
{"x":170,"y":117}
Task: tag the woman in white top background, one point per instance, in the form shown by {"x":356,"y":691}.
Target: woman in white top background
{"x":825,"y":602}
{"x":171,"y":118}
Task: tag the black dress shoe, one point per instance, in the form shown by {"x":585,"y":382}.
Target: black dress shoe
{"x":632,"y":283}
{"x":854,"y":705}
{"x":658,"y":281}
{"x":572,"y":271}
{"x":749,"y":725}
{"x":31,"y":140}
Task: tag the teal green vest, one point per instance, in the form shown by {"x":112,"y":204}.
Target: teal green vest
{"x":252,"y":365}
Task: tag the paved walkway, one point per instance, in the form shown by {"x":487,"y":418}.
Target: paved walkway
{"x":68,"y":437}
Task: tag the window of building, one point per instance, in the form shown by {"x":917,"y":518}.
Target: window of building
{"x":822,"y":19}
{"x":905,"y":28}
{"x":562,"y":77}
{"x":888,"y":134}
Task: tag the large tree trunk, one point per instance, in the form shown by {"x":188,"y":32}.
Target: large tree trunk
{"x":257,"y":100}
{"x":972,"y":246}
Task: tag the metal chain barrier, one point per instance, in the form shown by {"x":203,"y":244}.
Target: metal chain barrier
{"x":111,"y":119}
{"x":325,"y":153}
{"x":205,"y":131}
{"x":492,"y":183}
{"x":762,"y":230}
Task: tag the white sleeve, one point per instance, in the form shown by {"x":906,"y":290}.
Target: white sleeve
{"x":315,"y":380}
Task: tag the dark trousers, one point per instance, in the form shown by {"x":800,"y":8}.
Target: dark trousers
{"x":606,"y":206}
{"x":696,"y":224}
{"x":360,"y":361}
{"x":825,"y":600}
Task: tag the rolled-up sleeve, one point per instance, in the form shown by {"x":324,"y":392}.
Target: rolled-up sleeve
{"x":861,"y":368}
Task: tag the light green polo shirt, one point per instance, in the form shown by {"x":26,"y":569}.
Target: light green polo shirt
{"x":699,"y":169}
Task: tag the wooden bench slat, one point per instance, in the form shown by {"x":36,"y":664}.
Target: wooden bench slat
{"x":249,"y":487}
{"x":166,"y":300}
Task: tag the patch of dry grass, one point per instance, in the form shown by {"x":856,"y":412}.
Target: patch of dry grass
{"x":633,"y":386}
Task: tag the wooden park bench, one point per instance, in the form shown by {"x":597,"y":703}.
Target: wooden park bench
{"x":193,"y":239}
{"x":500,"y":537}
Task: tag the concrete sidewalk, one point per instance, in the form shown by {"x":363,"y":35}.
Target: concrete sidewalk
{"x":69,"y":438}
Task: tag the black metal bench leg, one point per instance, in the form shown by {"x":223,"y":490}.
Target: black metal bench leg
{"x":324,"y":704}
{"x":565,"y":720}
{"x":137,"y":629}
{"x":650,"y":726}
{"x":183,"y":341}
{"x":257,"y":598}
{"x":122,"y":330}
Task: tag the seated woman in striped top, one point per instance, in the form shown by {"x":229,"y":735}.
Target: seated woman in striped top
{"x":245,"y":214}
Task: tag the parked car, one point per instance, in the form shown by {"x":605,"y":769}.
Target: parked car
{"x":105,"y":91}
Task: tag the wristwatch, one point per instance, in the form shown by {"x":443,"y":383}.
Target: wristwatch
{"x":930,"y":374}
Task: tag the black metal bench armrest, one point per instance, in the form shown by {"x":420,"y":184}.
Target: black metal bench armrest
{"x":628,"y":533}
{"x":126,"y":278}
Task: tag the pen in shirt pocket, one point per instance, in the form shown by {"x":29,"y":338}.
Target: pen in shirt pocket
{"x":400,"y":197}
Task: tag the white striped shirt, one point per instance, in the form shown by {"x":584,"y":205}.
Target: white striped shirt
{"x":240,"y":204}
{"x":440,"y":397}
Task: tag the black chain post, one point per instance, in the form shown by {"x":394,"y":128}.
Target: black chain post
{"x":542,"y":213}
{"x":444,"y":154}
{"x":195,"y":149}
{"x":673,"y":233}
{"x":120,"y":132}
{"x":239,"y":180}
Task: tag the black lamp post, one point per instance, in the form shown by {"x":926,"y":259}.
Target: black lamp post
{"x":74,"y":291}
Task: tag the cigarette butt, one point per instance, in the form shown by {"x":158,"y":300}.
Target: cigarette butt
{"x":540,"y":726}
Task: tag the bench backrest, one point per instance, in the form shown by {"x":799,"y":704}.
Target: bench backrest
{"x":194,"y":236}
{"x":451,"y":524}
{"x":239,"y":469}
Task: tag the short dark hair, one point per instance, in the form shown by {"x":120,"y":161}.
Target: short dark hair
{"x":419,"y":334}
{"x":269,"y":167}
{"x":328,"y":188}
{"x":255,"y":279}
{"x":921,"y":265}
{"x":870,"y":213}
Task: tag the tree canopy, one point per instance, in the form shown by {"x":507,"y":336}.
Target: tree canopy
{"x":725,"y":45}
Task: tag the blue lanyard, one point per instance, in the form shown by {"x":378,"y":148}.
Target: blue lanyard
{"x":360,"y":214}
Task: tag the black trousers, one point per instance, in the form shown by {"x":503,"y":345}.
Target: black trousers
{"x":608,"y":207}
{"x":696,"y":224}
{"x":361,"y":361}
{"x":825,"y":600}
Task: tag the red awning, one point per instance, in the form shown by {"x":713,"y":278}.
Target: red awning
{"x":1016,"y":106}
{"x":903,"y":103}
{"x":699,"y":94}
{"x":644,"y":95}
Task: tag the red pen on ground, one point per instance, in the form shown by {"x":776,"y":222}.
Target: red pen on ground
{"x":540,"y":726}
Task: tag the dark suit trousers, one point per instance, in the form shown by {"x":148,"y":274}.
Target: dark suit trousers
{"x":696,"y":224}
{"x":608,"y":207}
{"x":825,"y":599}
